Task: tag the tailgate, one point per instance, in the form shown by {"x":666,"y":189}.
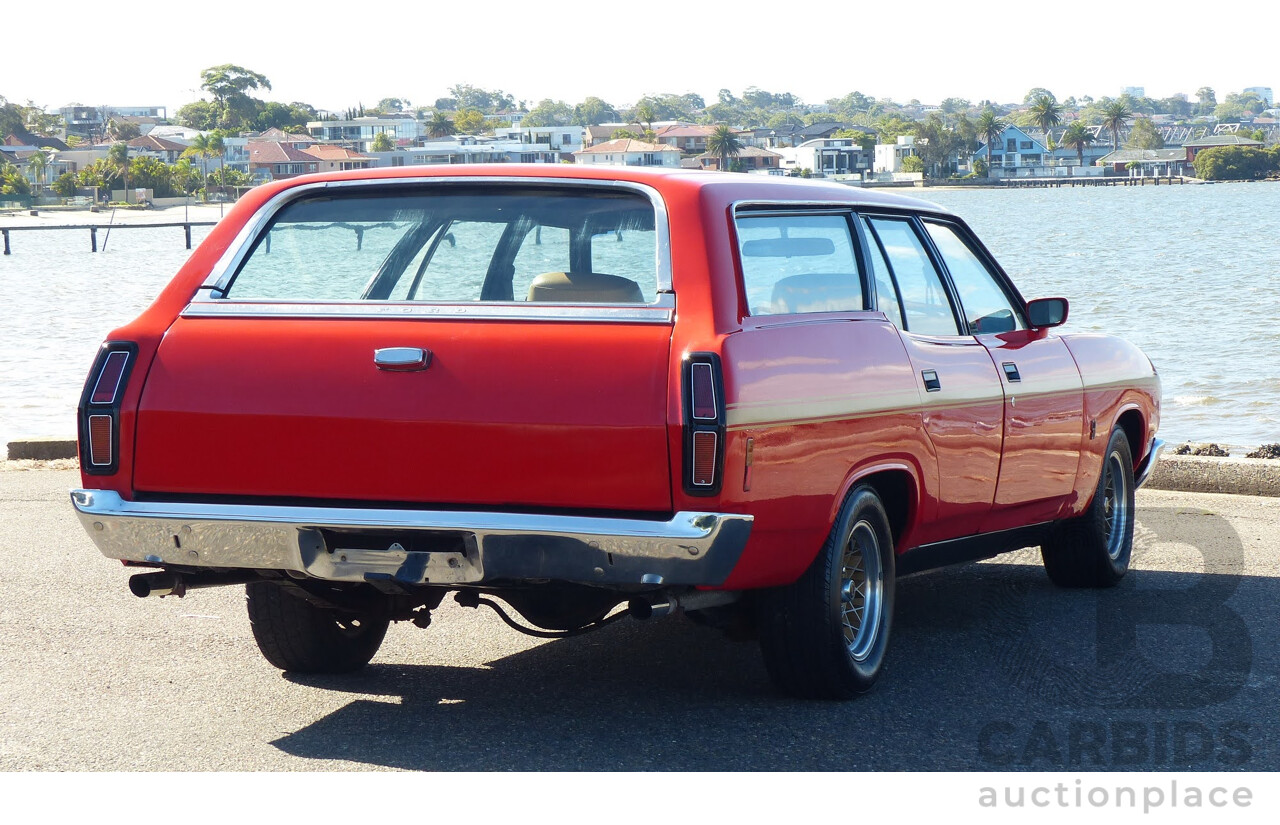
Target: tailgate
{"x":526,"y":413}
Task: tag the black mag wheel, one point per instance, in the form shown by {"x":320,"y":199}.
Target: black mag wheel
{"x":1093,"y":549}
{"x":298,"y":636}
{"x":825,"y":636}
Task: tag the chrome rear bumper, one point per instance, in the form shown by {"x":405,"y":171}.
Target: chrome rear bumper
{"x":1148,"y":463}
{"x":417,"y":546}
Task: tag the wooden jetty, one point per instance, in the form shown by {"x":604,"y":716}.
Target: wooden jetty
{"x":1109,"y":180}
{"x":93,"y":230}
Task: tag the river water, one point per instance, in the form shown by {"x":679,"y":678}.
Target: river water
{"x":1189,"y":273}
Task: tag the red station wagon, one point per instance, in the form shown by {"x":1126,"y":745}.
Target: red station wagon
{"x":752,"y":400}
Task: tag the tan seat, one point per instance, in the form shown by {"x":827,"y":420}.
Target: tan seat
{"x":584,"y":288}
{"x":817,"y":292}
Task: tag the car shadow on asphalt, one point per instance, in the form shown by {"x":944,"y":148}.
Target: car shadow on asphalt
{"x":990,"y":667}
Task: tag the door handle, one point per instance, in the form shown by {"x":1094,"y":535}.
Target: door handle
{"x":1011,"y":372}
{"x":931,"y":382}
{"x":402,"y":359}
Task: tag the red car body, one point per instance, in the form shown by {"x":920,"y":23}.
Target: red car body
{"x":691,"y":401}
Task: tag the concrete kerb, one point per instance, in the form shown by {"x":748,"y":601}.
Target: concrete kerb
{"x":1182,"y":473}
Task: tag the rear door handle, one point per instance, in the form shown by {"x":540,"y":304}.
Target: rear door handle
{"x":931,"y":382}
{"x":402,"y":359}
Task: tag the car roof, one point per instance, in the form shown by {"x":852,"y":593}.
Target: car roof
{"x":731,"y":187}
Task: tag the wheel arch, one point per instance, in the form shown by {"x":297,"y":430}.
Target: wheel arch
{"x":898,"y":489}
{"x":1134,"y":425}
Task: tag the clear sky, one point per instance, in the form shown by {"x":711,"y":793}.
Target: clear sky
{"x":336,"y":56}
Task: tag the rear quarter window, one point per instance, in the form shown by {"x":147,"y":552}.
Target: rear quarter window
{"x":798,"y":263}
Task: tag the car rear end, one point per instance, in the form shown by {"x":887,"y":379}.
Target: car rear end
{"x":385,"y":388}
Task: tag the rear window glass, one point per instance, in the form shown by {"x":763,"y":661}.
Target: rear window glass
{"x":452,"y":244}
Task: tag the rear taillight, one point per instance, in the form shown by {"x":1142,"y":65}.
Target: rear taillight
{"x":99,"y":412}
{"x":704,"y":424}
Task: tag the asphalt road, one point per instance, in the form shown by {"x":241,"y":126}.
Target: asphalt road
{"x":991,"y":668}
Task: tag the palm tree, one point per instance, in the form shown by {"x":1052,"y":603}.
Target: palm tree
{"x":200,"y":148}
{"x":118,"y":157}
{"x":1113,"y":117}
{"x":440,"y":125}
{"x":39,"y":164}
{"x":725,"y":143}
{"x":990,"y":128}
{"x":1046,"y":113}
{"x":1077,"y":137}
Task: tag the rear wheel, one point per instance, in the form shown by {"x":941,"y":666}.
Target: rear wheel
{"x":825,"y":636}
{"x":296,"y":635}
{"x":1093,"y":549}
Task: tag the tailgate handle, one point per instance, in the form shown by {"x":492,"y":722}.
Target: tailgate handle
{"x":402,"y":359}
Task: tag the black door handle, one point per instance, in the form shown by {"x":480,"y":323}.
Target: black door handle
{"x":931,"y":382}
{"x":1011,"y":372}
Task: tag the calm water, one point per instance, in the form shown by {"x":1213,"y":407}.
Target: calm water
{"x":1186,"y":272}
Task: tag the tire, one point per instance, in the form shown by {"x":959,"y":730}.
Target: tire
{"x":298,"y":636}
{"x":1093,"y":549}
{"x":825,"y":635}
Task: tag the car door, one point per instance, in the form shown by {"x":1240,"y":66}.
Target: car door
{"x":960,"y":389}
{"x":1044,"y":398}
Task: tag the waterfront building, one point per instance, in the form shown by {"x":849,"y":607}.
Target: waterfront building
{"x":338,"y":158}
{"x":889,"y":156}
{"x":162,"y":149}
{"x":1195,"y":147}
{"x":826,"y":157}
{"x":270,"y":161}
{"x":1148,"y":162}
{"x":748,"y":159}
{"x":359,"y":133}
{"x":629,"y":152}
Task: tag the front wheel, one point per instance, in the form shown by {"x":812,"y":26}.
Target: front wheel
{"x":825,"y":636}
{"x":296,"y":635}
{"x":1093,"y":549}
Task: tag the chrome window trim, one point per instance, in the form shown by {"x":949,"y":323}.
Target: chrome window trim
{"x":662,"y":311}
{"x":221,"y":273}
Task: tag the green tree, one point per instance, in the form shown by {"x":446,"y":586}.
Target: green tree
{"x":1114,"y":116}
{"x":292,"y":117}
{"x":13,"y":184}
{"x":1207,"y":100}
{"x":1236,"y":163}
{"x":594,"y":111}
{"x":382,"y":142}
{"x":1038,"y":92}
{"x":440,"y":126}
{"x":100,"y":174}
{"x":391,"y":105}
{"x":469,"y":121}
{"x":65,"y":185}
{"x":1078,"y":137}
{"x":38,"y":163}
{"x":199,"y":114}
{"x":1045,"y":112}
{"x":725,"y":143}
{"x":150,"y":173}
{"x":1230,"y":112}
{"x":184,"y":177}
{"x":230,"y":86}
{"x":466,"y":96}
{"x":549,"y":113}
{"x":1143,"y":135}
{"x":118,"y":158}
{"x":118,"y":129}
{"x":645,"y":113}
{"x":913,"y":163}
{"x":989,"y":129}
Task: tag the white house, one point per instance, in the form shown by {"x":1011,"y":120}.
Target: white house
{"x":629,"y":152}
{"x":889,"y":156}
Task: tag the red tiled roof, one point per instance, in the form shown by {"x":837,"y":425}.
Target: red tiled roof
{"x":334,"y":153}
{"x":272,"y":152}
{"x":156,"y":144}
{"x":626,"y":145}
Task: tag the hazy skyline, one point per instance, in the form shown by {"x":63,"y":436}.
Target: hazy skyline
{"x":934,"y":51}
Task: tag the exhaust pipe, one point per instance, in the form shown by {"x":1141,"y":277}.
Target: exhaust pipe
{"x":666,"y":604}
{"x":165,"y":583}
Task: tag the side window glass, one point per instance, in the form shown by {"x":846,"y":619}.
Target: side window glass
{"x":887,"y":300}
{"x":798,"y":263}
{"x":544,"y":249}
{"x":924,"y":298}
{"x":460,"y":261}
{"x":987,"y":308}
